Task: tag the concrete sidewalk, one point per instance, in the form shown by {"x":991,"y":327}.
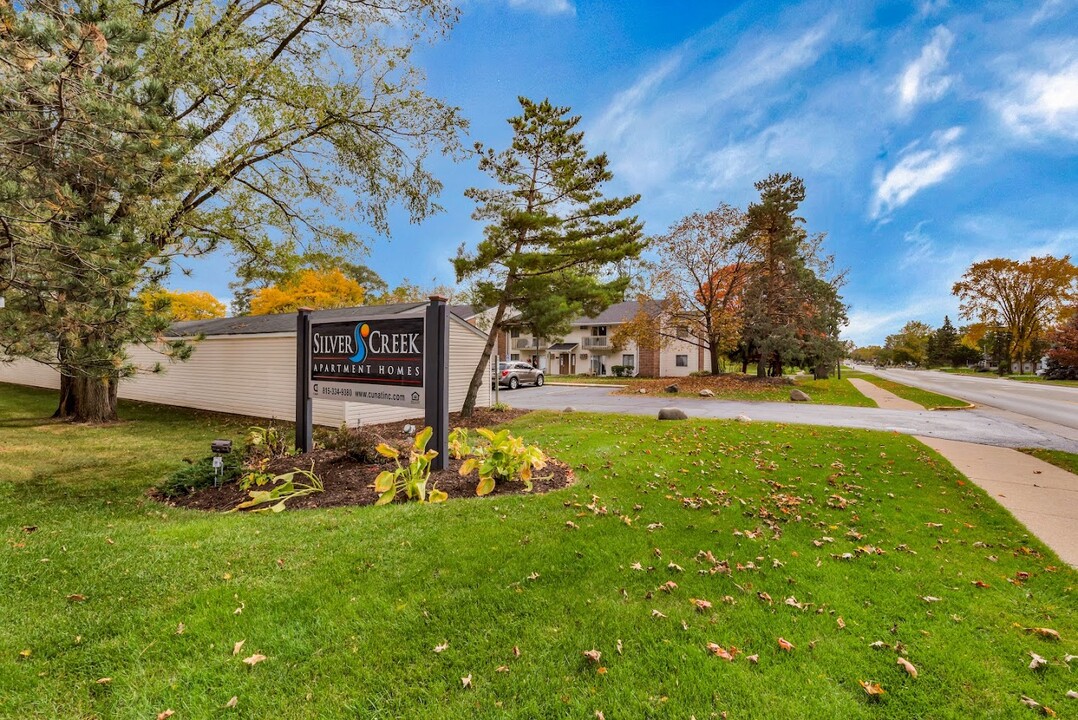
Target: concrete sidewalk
{"x":1042,"y":496}
{"x":884,"y":398}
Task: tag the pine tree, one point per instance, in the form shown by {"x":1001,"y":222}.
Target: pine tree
{"x":554,"y":241}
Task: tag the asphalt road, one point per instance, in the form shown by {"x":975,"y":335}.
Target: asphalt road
{"x":1053,"y":408}
{"x":985,"y":426}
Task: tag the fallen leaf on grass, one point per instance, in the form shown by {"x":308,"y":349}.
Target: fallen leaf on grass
{"x":754,"y":659}
{"x":980,"y":584}
{"x":180,"y":629}
{"x":1031,"y":703}
{"x":592,"y":656}
{"x":25,"y":654}
{"x":1072,"y":695}
{"x":654,"y":613}
{"x":1038,"y":662}
{"x":719,"y":651}
{"x":1047,"y":633}
{"x":930,"y":598}
{"x":786,"y":644}
{"x":466,"y":681}
{"x":668,"y":586}
{"x":619,"y":647}
{"x":1067,"y":658}
{"x":569,"y":525}
{"x":442,"y":648}
{"x":237,"y":647}
{"x":502,"y":669}
{"x":255,"y":659}
{"x":840,"y":622}
{"x":873,"y":690}
{"x":599,"y":715}
{"x":165,"y":715}
{"x":516,"y":651}
{"x":701,"y":605}
{"x":76,"y":598}
{"x":233,"y":702}
{"x":908,"y":667}
{"x":103,"y":681}
{"x":880,"y":645}
{"x":765,"y":597}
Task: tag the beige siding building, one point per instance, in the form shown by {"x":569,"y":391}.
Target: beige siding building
{"x":247,"y":366}
{"x":588,"y":349}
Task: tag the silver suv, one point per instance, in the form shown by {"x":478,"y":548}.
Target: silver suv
{"x":514,"y":374}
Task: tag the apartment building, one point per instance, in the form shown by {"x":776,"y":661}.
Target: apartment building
{"x":588,"y":349}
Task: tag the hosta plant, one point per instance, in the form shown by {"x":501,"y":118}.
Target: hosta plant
{"x":459,"y":443}
{"x":503,"y":457}
{"x":410,"y":479}
{"x":288,"y":487}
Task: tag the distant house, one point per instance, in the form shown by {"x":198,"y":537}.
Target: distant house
{"x":588,"y":348}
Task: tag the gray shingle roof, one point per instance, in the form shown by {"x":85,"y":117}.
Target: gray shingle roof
{"x":617,"y":313}
{"x":286,"y":322}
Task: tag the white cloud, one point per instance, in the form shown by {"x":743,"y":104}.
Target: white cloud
{"x":1044,"y":102}
{"x":916,"y":169}
{"x":1048,"y":10}
{"x":546,"y":7}
{"x":923,"y":79}
{"x":684,"y":105}
{"x":929,"y":8}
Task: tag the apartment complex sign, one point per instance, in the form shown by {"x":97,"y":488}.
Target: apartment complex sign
{"x":375,"y":360}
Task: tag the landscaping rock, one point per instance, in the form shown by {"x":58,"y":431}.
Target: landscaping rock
{"x":671,"y":388}
{"x":643,"y":391}
{"x":569,"y":409}
{"x":672,"y":414}
{"x":706,"y":393}
{"x":798,"y":396}
{"x":743,"y":418}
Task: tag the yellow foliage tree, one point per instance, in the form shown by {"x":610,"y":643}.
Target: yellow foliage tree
{"x":194,"y":305}
{"x":310,"y":288}
{"x":1022,"y":298}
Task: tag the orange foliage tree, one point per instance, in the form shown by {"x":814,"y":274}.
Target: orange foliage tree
{"x":703,"y":263}
{"x":310,"y":288}
{"x":180,"y":306}
{"x":1023,"y":298}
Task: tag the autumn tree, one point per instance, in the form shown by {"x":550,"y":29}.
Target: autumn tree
{"x":284,"y":268}
{"x":1022,"y":298}
{"x":407,"y":291}
{"x":138,"y":133}
{"x":703,"y":262}
{"x":180,"y":306}
{"x":910,"y":344}
{"x":792,"y":309}
{"x":313,"y":289}
{"x":553,"y":243}
{"x":1063,"y":353}
{"x":943,"y":345}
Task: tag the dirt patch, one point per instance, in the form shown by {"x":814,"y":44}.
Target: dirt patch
{"x":719,"y":384}
{"x":348,"y":482}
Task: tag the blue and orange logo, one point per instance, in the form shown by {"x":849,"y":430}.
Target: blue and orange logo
{"x":363,"y":331}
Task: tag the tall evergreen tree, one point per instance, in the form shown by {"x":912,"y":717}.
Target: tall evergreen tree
{"x":792,"y":310}
{"x":943,"y":348}
{"x":554,"y":241}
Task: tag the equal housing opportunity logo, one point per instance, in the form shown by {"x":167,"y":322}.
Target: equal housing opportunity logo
{"x":381,"y":352}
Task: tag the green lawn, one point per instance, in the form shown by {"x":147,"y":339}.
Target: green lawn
{"x":1019,"y":378}
{"x":1067,"y":461}
{"x":348,"y":605}
{"x":735,"y":386}
{"x":924,"y":398}
{"x":586,"y":379}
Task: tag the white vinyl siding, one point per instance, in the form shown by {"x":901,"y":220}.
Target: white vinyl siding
{"x":256,"y":375}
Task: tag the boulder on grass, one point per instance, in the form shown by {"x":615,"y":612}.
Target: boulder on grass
{"x":743,"y":418}
{"x":798,"y":396}
{"x":706,"y":393}
{"x":569,"y":409}
{"x":671,"y":388}
{"x":672,"y":414}
{"x":643,"y":391}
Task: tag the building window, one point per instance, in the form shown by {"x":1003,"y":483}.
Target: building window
{"x":628,"y":360}
{"x":514,"y":332}
{"x":682,"y":331}
{"x":682,"y":361}
{"x":515,"y":357}
{"x":599,"y":331}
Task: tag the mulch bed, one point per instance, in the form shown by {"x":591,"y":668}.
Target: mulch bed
{"x":735,"y":382}
{"x":349,"y":482}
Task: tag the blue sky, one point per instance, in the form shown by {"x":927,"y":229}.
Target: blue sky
{"x":929,"y":134}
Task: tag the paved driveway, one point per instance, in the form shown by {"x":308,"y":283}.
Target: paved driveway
{"x":976,"y":426}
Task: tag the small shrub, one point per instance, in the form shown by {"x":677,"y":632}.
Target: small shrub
{"x":199,"y":475}
{"x":501,"y":407}
{"x":289,"y":486}
{"x":360,"y":444}
{"x":503,"y":458}
{"x":267,"y":441}
{"x":700,"y":373}
{"x":411,"y":479}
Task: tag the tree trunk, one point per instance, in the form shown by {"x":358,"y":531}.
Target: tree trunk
{"x":480,"y":374}
{"x":95,"y":399}
{"x":761,"y":366}
{"x":66,"y":408}
{"x":714,"y":350}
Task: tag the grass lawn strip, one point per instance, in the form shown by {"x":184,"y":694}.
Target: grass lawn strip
{"x":831,"y":539}
{"x":926,"y":399}
{"x":1059,"y":458}
{"x":1019,"y":378}
{"x":735,"y":386}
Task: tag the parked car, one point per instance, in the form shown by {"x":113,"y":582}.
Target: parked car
{"x":514,"y":374}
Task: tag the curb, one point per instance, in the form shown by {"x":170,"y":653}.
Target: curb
{"x":970,"y":406}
